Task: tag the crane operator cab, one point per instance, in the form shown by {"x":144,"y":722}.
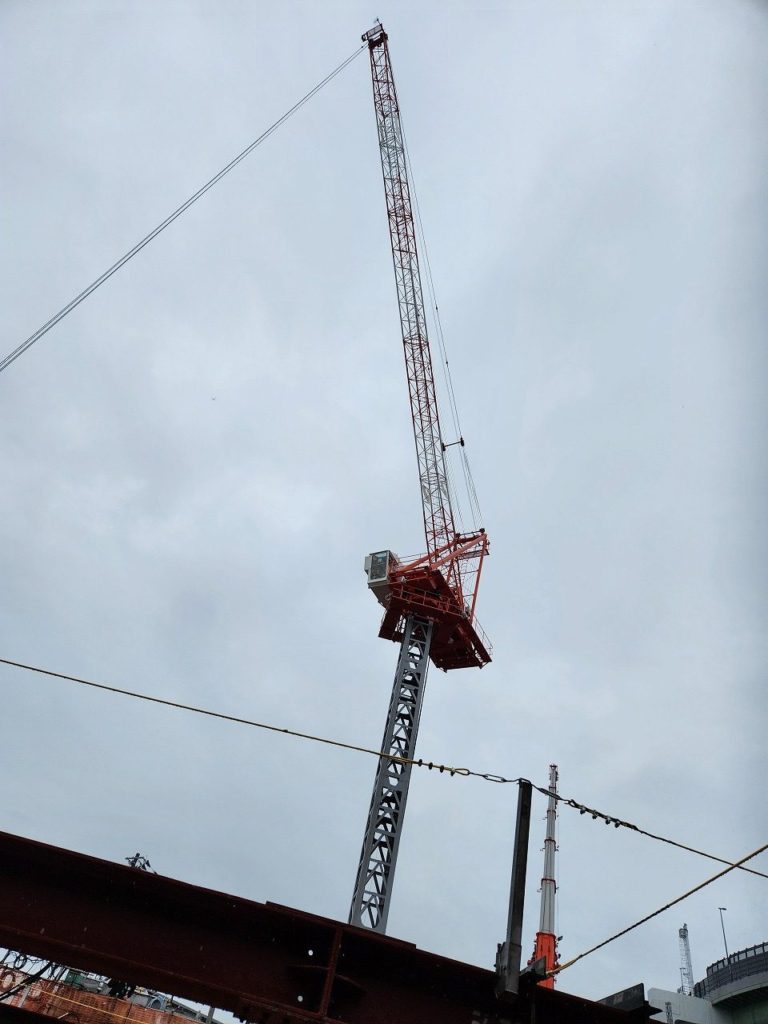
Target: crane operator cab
{"x":377,"y":566}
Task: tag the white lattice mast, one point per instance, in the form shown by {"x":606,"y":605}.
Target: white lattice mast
{"x":686,"y":969}
{"x":546,"y":938}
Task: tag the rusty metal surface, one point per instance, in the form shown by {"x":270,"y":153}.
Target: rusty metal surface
{"x":61,"y":1000}
{"x":263,"y":962}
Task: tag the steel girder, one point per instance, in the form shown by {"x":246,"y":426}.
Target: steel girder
{"x":266,"y":963}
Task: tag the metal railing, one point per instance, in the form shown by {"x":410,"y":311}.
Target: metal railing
{"x":743,"y":964}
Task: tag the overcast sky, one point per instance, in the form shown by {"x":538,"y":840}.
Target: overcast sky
{"x":195,"y":462}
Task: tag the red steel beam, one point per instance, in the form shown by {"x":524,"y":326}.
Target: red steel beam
{"x":266,"y":963}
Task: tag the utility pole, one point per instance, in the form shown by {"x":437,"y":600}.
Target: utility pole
{"x":725,"y":943}
{"x":510,"y":951}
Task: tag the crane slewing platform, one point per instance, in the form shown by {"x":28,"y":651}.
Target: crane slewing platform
{"x":421,"y":588}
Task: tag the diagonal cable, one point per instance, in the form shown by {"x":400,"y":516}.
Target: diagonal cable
{"x":418,"y":762}
{"x":655,"y":913}
{"x":611,"y":819}
{"x":74,"y":303}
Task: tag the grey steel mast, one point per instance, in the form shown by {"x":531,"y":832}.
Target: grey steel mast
{"x":378,"y":858}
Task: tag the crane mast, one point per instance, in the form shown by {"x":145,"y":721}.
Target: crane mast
{"x":429,"y":601}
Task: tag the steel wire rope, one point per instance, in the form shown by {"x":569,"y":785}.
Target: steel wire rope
{"x":75,"y":302}
{"x":454,"y":491}
{"x":452,"y":404}
{"x":474,"y":503}
{"x":655,"y":913}
{"x":416,"y":762}
{"x":208,"y":712}
{"x":612,"y":819}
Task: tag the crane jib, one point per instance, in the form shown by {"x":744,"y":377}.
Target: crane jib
{"x":439,"y":527}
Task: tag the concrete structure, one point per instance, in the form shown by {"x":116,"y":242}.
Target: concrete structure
{"x":738,"y":985}
{"x":734,"y":991}
{"x":678,"y":1008}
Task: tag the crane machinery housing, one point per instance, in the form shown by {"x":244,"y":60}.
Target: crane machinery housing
{"x":429,"y":601}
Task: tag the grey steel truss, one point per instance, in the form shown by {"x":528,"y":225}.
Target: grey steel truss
{"x":375,"y":873}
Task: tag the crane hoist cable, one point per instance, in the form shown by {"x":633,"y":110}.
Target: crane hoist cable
{"x":476,"y":516}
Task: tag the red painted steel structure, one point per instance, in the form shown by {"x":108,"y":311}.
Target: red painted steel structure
{"x":63,"y":1000}
{"x":450,"y":569}
{"x":420,"y":588}
{"x":266,"y":963}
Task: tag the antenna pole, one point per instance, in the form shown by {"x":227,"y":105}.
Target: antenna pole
{"x":545,"y":947}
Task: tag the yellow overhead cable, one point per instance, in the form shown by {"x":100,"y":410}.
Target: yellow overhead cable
{"x":608,"y":819}
{"x":672,"y":903}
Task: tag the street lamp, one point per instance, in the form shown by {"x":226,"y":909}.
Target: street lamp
{"x":727,"y":958}
{"x":725,"y":943}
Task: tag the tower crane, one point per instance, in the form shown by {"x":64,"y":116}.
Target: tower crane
{"x":545,"y":946}
{"x":686,"y":968}
{"x":429,"y":601}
